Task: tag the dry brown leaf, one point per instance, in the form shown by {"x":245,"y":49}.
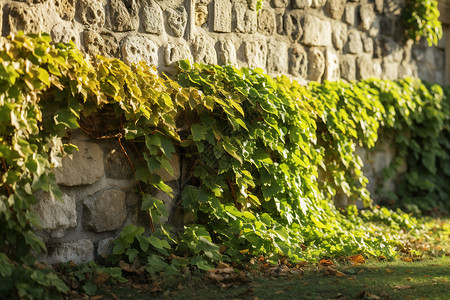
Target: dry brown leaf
{"x":407,"y":259}
{"x":357,"y":259}
{"x":389,"y":270}
{"x":326,"y":262}
{"x":402,"y":287}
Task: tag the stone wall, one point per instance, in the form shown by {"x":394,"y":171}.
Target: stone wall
{"x":306,"y":39}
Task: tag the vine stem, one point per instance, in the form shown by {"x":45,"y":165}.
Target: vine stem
{"x":6,"y":170}
{"x":233,"y":193}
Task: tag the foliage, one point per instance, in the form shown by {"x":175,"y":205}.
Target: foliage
{"x":421,"y":19}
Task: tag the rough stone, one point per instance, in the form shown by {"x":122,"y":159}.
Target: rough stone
{"x":339,"y":35}
{"x":84,"y":167}
{"x":318,"y":3}
{"x":175,"y":52}
{"x":280,"y":3}
{"x":279,"y":20}
{"x":117,"y":165}
{"x":298,"y":61}
{"x":78,"y":252}
{"x":368,"y":44}
{"x":255,"y":54}
{"x":393,"y":7}
{"x":379,"y":5}
{"x":350,"y":15}
{"x":175,"y":163}
{"x":316,"y":64}
{"x":100,"y":44}
{"x":277,"y":57}
{"x":53,"y":214}
{"x":364,"y":68}
{"x":227,"y":53}
{"x":105,"y":212}
{"x":177,"y":19}
{"x":105,"y":247}
{"x":348,"y":67}
{"x":21,"y":17}
{"x":389,"y":69}
{"x":266,"y":21}
{"x":64,"y":32}
{"x":90,"y":13}
{"x":301,"y":3}
{"x":332,"y":70}
{"x":152,"y":17}
{"x":246,"y":20}
{"x":367,"y":15}
{"x":65,"y":9}
{"x":354,"y":43}
{"x":203,"y":49}
{"x":222,"y":16}
{"x":201,"y":13}
{"x":123,"y":15}
{"x":138,"y":48}
{"x":317,"y":32}
{"x":292,"y":26}
{"x":335,"y":8}
{"x":392,"y":51}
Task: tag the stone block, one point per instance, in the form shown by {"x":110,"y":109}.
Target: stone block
{"x":335,"y":8}
{"x":316,"y":64}
{"x":317,"y":32}
{"x":123,"y":15}
{"x":277,"y":57}
{"x":203,"y":49}
{"x":176,"y":20}
{"x":246,"y":19}
{"x":78,"y":252}
{"x":348,"y":67}
{"x":105,"y":247}
{"x":389,"y":70}
{"x":393,"y":7}
{"x":354,"y":43}
{"x":332,"y":69}
{"x":266,"y":21}
{"x":280,"y":3}
{"x":175,"y":52}
{"x":222,"y":16}
{"x":201,"y":13}
{"x":255,"y":54}
{"x":301,"y":3}
{"x":367,"y":44}
{"x":22,"y":17}
{"x":90,"y":13}
{"x":64,"y":32}
{"x":138,"y":48}
{"x":105,"y":212}
{"x":379,"y":6}
{"x":392,"y":51}
{"x":100,"y":44}
{"x":350,"y":15}
{"x":175,"y":163}
{"x":53,"y":214}
{"x":82,"y":167}
{"x":292,"y":25}
{"x":227,"y":53}
{"x":364,"y":68}
{"x":65,"y":9}
{"x":152,"y":17}
{"x":339,"y":36}
{"x":117,"y":165}
{"x":318,"y":3}
{"x":298,"y":61}
{"x":367,"y":15}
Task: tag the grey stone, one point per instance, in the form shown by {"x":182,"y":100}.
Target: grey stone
{"x":65,"y":9}
{"x":222,"y":16}
{"x":152,"y":17}
{"x":123,"y":15}
{"x":368,"y":44}
{"x":301,"y":3}
{"x":335,"y":8}
{"x":246,"y":20}
{"x":379,"y":5}
{"x":106,"y":212}
{"x":53,"y":214}
{"x":332,"y":69}
{"x":317,"y":32}
{"x":105,"y":247}
{"x":203,"y":49}
{"x":367,"y":15}
{"x":364,"y":67}
{"x":280,"y":3}
{"x":392,"y":51}
{"x":348,"y":67}
{"x":138,"y":48}
{"x":64,"y":32}
{"x":175,"y":163}
{"x":227,"y":53}
{"x":78,"y":252}
{"x":318,"y":3}
{"x":387,"y":26}
{"x":277,"y":57}
{"x":339,"y":35}
{"x":90,"y":13}
{"x":175,"y":52}
{"x":201,"y":13}
{"x":100,"y":44}
{"x":177,"y":19}
{"x":266,"y":21}
{"x":298,"y":64}
{"x":255,"y":54}
{"x":389,"y":69}
{"x":117,"y":165}
{"x":316,"y":64}
{"x":22,"y":17}
{"x":393,"y":7}
{"x":292,"y":26}
{"x":376,"y":68}
{"x":354,"y":43}
{"x":350,"y":15}
{"x":84,"y":167}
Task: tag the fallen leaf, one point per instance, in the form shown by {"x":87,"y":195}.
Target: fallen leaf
{"x":408,"y":271}
{"x":96,"y":297}
{"x":326,"y":262}
{"x":407,"y":259}
{"x":402,"y":287}
{"x":357,"y":259}
{"x":278,"y":292}
{"x":389,"y":270}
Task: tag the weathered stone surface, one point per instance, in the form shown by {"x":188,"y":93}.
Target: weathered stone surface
{"x":364,"y":68}
{"x":84,"y":167}
{"x":152,"y":17}
{"x":379,"y":5}
{"x":90,"y":13}
{"x":389,"y":69}
{"x":175,"y":163}
{"x":105,"y":247}
{"x":277,"y":60}
{"x":318,"y":3}
{"x":123,"y":15}
{"x":354,"y":43}
{"x":138,"y":48}
{"x":21,"y":17}
{"x":367,"y":15}
{"x":175,"y":52}
{"x":350,"y":14}
{"x":298,"y":61}
{"x":316,"y":64}
{"x":246,"y":19}
{"x":266,"y":21}
{"x":65,"y":9}
{"x":222,"y":16}
{"x":203,"y":49}
{"x":255,"y":54}
{"x":78,"y":252}
{"x":292,"y":26}
{"x":117,"y":165}
{"x":227,"y":53}
{"x":348,"y":67}
{"x":339,"y":35}
{"x":53,"y":214}
{"x":332,"y":69}
{"x":317,"y":32}
{"x":301,"y":3}
{"x":177,"y":19}
{"x":201,"y":13}
{"x":368,"y":44}
{"x":393,"y":7}
{"x":280,"y":3}
{"x":335,"y":8}
{"x":100,"y":44}
{"x":392,"y":51}
{"x":64,"y":32}
{"x":105,"y":212}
